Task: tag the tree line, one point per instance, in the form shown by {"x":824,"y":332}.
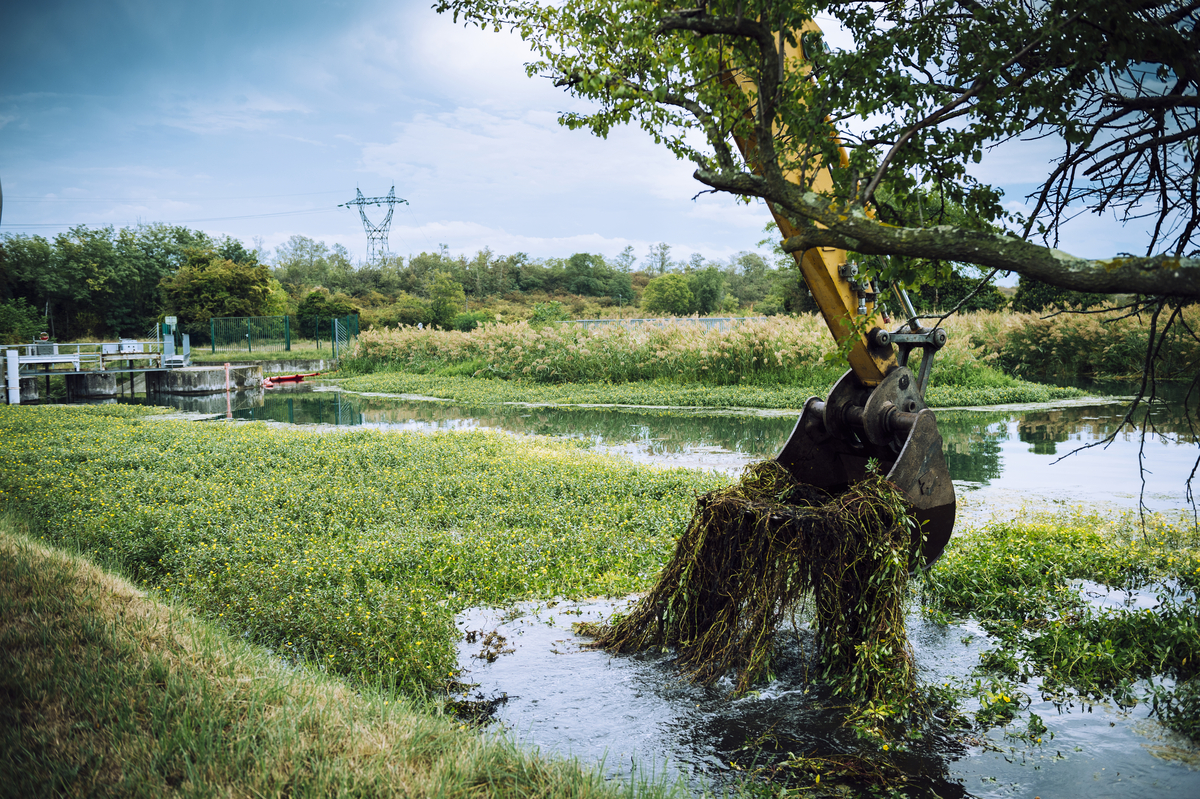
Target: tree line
{"x":106,"y":283}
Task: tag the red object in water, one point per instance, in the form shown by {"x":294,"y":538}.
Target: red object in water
{"x":291,"y":378}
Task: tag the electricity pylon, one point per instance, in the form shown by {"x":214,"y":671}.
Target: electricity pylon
{"x":377,"y":235}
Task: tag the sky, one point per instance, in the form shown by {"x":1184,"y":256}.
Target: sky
{"x":255,"y":119}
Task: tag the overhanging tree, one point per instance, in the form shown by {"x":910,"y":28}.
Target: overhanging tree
{"x":746,"y":91}
{"x":932,"y":85}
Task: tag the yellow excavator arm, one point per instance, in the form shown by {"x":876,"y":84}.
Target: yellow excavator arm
{"x":876,"y":411}
{"x":831,"y":280}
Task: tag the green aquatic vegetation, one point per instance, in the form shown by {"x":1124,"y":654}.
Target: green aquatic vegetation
{"x":1018,"y":393}
{"x":753,"y":553}
{"x":348,"y":549}
{"x":476,"y":391}
{"x":660,"y":393}
{"x":1020,"y":579}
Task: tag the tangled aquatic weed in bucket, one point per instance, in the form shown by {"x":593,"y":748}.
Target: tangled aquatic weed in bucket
{"x":758,"y":550}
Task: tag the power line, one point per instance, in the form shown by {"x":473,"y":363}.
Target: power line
{"x":377,"y":235}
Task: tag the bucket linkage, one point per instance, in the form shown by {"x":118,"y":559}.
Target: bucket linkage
{"x":834,"y":441}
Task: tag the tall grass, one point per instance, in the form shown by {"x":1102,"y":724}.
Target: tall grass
{"x":1073,"y":346}
{"x":985,"y":349}
{"x":780,"y":351}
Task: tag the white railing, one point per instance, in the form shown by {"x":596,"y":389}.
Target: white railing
{"x":42,"y":358}
{"x":86,"y":356}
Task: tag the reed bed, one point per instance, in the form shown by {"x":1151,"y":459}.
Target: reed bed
{"x":1109,"y":344}
{"x":779,"y":350}
{"x":985,"y":349}
{"x":775,"y":351}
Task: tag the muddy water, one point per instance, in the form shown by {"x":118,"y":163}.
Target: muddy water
{"x":636,"y":716}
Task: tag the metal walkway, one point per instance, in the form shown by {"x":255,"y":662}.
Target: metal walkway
{"x":47,"y":359}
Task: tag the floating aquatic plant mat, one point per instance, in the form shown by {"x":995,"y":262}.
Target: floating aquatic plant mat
{"x":755,"y":553}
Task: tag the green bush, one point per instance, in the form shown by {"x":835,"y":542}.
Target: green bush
{"x":668,"y":294}
{"x":446,"y":300}
{"x":1035,"y":296}
{"x":466,"y":322}
{"x":406,"y":310}
{"x":19,"y":322}
{"x":546,"y":312}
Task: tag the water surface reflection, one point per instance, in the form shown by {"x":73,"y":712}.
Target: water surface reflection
{"x":997,"y":457}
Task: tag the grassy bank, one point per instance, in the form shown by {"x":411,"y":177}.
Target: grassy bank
{"x":352,"y":550}
{"x":105,"y":691}
{"x":481,"y":392}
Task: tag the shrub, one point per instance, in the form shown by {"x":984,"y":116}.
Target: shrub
{"x":668,"y":294}
{"x":446,"y":300}
{"x":547,"y":312}
{"x":1073,"y":346}
{"x":466,"y":322}
{"x":18,"y":321}
{"x":406,"y":310}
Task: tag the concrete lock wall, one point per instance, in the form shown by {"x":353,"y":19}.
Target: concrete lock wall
{"x":298,"y":366}
{"x":195,"y":380}
{"x":29,"y":389}
{"x":97,"y":385}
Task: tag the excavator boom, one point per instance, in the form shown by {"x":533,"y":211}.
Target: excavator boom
{"x":876,"y":412}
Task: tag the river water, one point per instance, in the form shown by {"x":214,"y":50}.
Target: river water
{"x":635,"y":716}
{"x":999,"y":457}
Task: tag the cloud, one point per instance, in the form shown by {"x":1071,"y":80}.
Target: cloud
{"x":727,"y":210}
{"x":482,"y":150}
{"x":253,"y":112}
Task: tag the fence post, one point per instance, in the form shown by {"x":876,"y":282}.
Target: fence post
{"x":12,"y":362}
{"x":249,"y":345}
{"x":212,"y":328}
{"x":287,"y":333}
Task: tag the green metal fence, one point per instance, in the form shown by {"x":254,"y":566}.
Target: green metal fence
{"x":282,"y":333}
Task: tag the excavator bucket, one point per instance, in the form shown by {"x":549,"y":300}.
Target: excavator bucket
{"x":834,"y":440}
